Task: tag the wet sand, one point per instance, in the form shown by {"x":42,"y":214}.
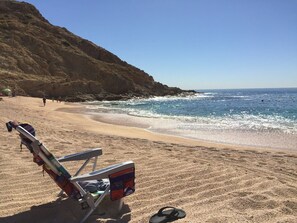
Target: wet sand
{"x":250,"y":139}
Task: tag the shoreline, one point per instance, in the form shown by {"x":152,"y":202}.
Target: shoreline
{"x":232,"y":138}
{"x":127,"y":126}
{"x":139,"y":131}
{"x":233,"y":183}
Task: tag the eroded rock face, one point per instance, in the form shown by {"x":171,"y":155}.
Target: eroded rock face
{"x":37,"y":58}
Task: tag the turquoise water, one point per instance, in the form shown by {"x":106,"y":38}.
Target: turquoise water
{"x":250,"y":117}
{"x":244,"y":109}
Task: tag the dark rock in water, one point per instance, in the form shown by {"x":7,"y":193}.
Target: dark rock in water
{"x":39,"y":59}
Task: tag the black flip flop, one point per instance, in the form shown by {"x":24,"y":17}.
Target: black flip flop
{"x":170,"y":215}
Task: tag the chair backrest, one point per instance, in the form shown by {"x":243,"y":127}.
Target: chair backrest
{"x":42,"y":156}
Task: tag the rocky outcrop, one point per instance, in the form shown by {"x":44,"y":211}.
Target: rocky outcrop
{"x":37,"y":58}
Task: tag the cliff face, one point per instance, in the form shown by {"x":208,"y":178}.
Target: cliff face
{"x":37,"y":58}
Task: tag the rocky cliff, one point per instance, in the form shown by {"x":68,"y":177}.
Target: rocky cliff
{"x":37,"y":58}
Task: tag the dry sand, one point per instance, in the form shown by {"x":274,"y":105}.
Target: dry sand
{"x":211,"y":182}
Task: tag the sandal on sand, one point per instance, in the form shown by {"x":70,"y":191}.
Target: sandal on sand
{"x":169,"y":215}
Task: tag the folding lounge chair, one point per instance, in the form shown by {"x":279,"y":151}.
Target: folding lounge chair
{"x":89,"y":189}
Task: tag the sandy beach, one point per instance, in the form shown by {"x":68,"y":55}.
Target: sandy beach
{"x":211,"y":182}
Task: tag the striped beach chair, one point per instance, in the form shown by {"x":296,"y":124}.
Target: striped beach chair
{"x":115,"y":181}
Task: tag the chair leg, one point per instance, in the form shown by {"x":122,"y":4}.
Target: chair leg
{"x":87,"y":215}
{"x":97,"y":202}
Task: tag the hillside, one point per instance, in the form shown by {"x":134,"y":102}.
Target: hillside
{"x":37,"y":58}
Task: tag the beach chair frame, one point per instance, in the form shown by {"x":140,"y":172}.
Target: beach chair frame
{"x":85,"y":198}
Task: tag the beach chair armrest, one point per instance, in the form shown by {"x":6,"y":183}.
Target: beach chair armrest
{"x":103,"y":173}
{"x":81,"y":155}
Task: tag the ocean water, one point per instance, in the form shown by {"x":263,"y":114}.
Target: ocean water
{"x":255,"y":117}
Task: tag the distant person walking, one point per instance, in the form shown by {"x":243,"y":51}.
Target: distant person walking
{"x":44,"y":100}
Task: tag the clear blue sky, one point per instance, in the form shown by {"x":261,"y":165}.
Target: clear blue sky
{"x":192,"y":44}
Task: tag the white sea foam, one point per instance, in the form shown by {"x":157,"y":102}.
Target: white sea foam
{"x":212,"y":114}
{"x":244,"y":121}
